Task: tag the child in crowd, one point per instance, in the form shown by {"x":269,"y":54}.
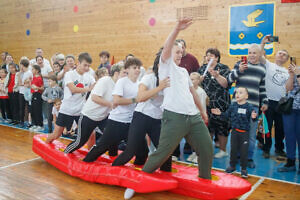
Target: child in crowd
{"x":4,"y":103}
{"x":24,"y":74}
{"x":240,"y":114}
{"x":120,"y":117}
{"x":28,"y":99}
{"x":37,"y":87}
{"x":195,"y":77}
{"x":101,"y":72}
{"x":77,"y":84}
{"x":11,"y":83}
{"x":51,"y":93}
{"x":55,"y":109}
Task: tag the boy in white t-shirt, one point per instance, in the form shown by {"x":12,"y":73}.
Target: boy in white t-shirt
{"x":77,"y":84}
{"x":95,"y":111}
{"x":181,"y":117}
{"x":124,"y":94}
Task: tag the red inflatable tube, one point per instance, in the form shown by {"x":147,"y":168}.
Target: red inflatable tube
{"x":101,"y":170}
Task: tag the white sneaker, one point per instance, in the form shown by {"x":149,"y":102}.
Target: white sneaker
{"x":195,"y":160}
{"x":32,"y":128}
{"x":128,"y":194}
{"x":38,"y":128}
{"x":221,"y":154}
{"x":191,"y":157}
{"x":174,"y":158}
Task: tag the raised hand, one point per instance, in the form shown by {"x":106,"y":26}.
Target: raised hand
{"x":216,"y":111}
{"x":184,"y":23}
{"x":266,"y":39}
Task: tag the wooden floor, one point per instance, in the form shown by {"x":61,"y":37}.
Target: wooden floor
{"x":25,"y":176}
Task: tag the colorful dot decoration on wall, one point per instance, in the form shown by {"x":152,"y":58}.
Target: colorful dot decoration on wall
{"x":151,"y":1}
{"x":75,"y":28}
{"x":27,"y":15}
{"x":27,"y":32}
{"x":75,"y":9}
{"x":152,"y":21}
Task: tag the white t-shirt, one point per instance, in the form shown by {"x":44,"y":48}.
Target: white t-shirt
{"x":33,"y":62}
{"x":178,"y":97}
{"x":142,"y":73}
{"x":26,"y":75}
{"x":151,"y":107}
{"x":91,"y":72}
{"x":44,"y":71}
{"x":202,"y":96}
{"x":276,"y":78}
{"x":54,"y":111}
{"x":126,"y":89}
{"x":73,"y":103}
{"x":103,"y":88}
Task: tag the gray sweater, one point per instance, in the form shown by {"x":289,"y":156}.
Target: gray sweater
{"x":52,"y":93}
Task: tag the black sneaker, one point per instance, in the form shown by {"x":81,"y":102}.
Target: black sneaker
{"x":280,"y":153}
{"x":244,"y":173}
{"x":266,"y":154}
{"x":230,"y":170}
{"x":251,"y":164}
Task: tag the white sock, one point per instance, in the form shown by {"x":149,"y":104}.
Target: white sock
{"x":128,"y":194}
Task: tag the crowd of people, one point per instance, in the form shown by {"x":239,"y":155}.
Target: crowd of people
{"x":174,"y":101}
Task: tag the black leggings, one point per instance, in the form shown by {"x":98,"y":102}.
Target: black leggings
{"x":85,"y":129}
{"x":14,"y":105}
{"x":5,"y":109}
{"x":22,"y":104}
{"x":36,"y":106}
{"x":140,"y":126}
{"x":113,"y":134}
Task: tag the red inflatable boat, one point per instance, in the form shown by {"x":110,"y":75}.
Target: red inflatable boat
{"x":183,"y":179}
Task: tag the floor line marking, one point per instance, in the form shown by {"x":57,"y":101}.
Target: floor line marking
{"x":253,"y":188}
{"x":257,"y":176}
{"x":19,"y":163}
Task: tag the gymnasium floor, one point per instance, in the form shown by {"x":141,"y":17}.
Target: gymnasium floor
{"x":26,"y":176}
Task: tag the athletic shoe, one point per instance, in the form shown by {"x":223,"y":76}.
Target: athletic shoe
{"x":280,"y":153}
{"x":230,"y":170}
{"x":32,"y":128}
{"x":174,"y":158}
{"x":244,"y":173}
{"x":288,"y":167}
{"x":191,"y":157}
{"x":221,"y":154}
{"x":195,"y":160}
{"x":251,"y":164}
{"x":266,"y":154}
{"x":38,"y":129}
{"x":128,"y":194}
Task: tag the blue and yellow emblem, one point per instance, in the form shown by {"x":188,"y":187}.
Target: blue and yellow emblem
{"x":249,"y":24}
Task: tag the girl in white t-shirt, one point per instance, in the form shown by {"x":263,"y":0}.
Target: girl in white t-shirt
{"x":146,"y":119}
{"x":124,"y":100}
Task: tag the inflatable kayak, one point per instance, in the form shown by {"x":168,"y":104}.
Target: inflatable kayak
{"x":222,"y":185}
{"x":101,"y":170}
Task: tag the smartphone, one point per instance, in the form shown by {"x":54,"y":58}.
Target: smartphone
{"x":273,"y":38}
{"x":293,"y":60}
{"x":244,"y":59}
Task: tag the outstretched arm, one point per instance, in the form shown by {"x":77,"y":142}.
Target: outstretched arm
{"x":181,"y":25}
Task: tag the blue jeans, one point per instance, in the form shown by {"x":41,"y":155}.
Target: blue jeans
{"x":252,"y":135}
{"x":291,"y":125}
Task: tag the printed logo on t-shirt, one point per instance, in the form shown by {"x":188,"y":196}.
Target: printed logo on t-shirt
{"x":279,"y":78}
{"x":79,"y":85}
{"x":242,"y":111}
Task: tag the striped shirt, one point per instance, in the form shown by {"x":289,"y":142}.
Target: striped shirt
{"x":253,"y":79}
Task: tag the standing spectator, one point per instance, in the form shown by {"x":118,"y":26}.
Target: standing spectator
{"x":9,"y":59}
{"x":251,"y":75}
{"x":276,"y":77}
{"x":4,"y":103}
{"x":215,"y":84}
{"x":50,"y":94}
{"x":104,"y":60}
{"x":11,"y":83}
{"x":188,"y":61}
{"x":70,"y":65}
{"x":28,"y":99}
{"x":291,"y":122}
{"x":37,"y":87}
{"x":3,"y":58}
{"x":39,"y":52}
{"x":24,"y":74}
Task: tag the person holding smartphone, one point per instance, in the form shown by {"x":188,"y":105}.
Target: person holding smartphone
{"x":276,"y":77}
